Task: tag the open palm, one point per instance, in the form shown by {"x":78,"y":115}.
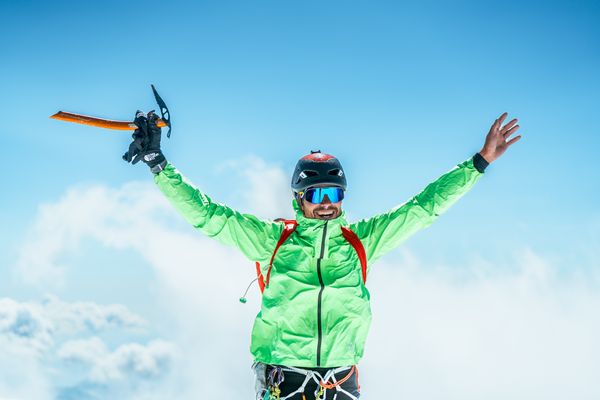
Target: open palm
{"x":498,"y":139}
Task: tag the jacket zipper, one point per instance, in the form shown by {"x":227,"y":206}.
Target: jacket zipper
{"x":319,"y":322}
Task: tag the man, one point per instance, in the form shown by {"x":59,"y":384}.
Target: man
{"x":315,"y":314}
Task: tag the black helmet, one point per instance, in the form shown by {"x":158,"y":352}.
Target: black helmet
{"x":317,"y":168}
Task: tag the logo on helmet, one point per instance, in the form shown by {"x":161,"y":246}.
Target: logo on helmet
{"x":318,"y":157}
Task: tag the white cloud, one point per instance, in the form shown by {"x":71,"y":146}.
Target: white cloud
{"x":30,"y":331}
{"x":35,"y":325}
{"x":85,"y":351}
{"x":199,"y":281}
{"x":97,"y":212}
{"x":525,"y":331}
{"x":26,"y":325}
{"x":265,"y":189}
{"x":22,"y":376}
{"x":80,"y":316}
{"x":128,"y":362}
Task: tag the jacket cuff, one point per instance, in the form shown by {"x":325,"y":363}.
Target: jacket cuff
{"x":158,"y":167}
{"x":480,"y":163}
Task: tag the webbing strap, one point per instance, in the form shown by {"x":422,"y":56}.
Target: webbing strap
{"x":288,"y":229}
{"x":261,"y":279}
{"x":359,"y":248}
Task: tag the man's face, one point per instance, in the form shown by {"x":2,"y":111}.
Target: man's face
{"x":325,"y":210}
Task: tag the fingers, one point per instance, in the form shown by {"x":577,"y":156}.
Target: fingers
{"x":141,"y":122}
{"x":152,"y":115}
{"x":502,"y":118}
{"x":152,"y":118}
{"x":513,"y":140}
{"x":511,"y":131}
{"x":498,"y":123}
{"x":509,"y":125}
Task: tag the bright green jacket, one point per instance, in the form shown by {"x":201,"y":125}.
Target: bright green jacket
{"x":315,"y":311}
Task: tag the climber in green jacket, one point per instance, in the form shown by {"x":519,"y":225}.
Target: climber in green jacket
{"x":315,"y":313}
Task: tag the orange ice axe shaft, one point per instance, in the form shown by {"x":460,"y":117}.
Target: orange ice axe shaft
{"x":100,"y":122}
{"x":162,"y":122}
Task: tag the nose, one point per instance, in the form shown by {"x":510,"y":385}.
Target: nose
{"x":326,"y":200}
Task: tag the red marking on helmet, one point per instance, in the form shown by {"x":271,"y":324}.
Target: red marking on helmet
{"x":318,"y":157}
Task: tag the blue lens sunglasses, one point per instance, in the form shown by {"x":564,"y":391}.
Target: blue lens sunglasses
{"x":317,"y":195}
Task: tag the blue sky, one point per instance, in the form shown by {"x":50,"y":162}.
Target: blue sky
{"x":399,"y":91}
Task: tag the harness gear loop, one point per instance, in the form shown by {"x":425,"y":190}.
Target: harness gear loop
{"x":273,"y":381}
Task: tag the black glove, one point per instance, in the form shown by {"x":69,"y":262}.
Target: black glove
{"x":146,"y":143}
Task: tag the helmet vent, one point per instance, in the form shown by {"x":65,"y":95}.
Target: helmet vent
{"x":309,"y":173}
{"x":335,"y":172}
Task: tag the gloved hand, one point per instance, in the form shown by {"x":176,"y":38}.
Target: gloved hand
{"x":146,"y":143}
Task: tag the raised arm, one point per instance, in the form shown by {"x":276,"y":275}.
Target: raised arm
{"x":384,"y":232}
{"x":254,"y":237}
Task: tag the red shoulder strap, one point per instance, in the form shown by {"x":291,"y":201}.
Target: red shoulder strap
{"x":359,"y":248}
{"x":289,"y":227}
{"x":259,"y":276}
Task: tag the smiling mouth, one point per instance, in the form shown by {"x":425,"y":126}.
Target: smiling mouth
{"x":325,"y":213}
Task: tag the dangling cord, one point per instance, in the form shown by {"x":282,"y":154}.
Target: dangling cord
{"x":243,"y":299}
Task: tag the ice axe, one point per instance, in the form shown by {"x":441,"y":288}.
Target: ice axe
{"x":162,"y":122}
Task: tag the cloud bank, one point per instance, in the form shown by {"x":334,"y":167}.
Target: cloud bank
{"x":36,"y":340}
{"x":485,"y":330}
{"x":35,"y":325}
{"x":126,"y":362}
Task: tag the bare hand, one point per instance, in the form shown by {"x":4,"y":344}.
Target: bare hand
{"x":497,"y":140}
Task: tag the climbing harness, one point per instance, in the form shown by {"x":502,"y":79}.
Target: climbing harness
{"x":324,"y":382}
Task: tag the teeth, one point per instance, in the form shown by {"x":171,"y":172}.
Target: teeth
{"x":326,"y":213}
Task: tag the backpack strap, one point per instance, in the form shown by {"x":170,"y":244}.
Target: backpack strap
{"x":289,"y":227}
{"x":260,"y":278}
{"x":359,"y":248}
